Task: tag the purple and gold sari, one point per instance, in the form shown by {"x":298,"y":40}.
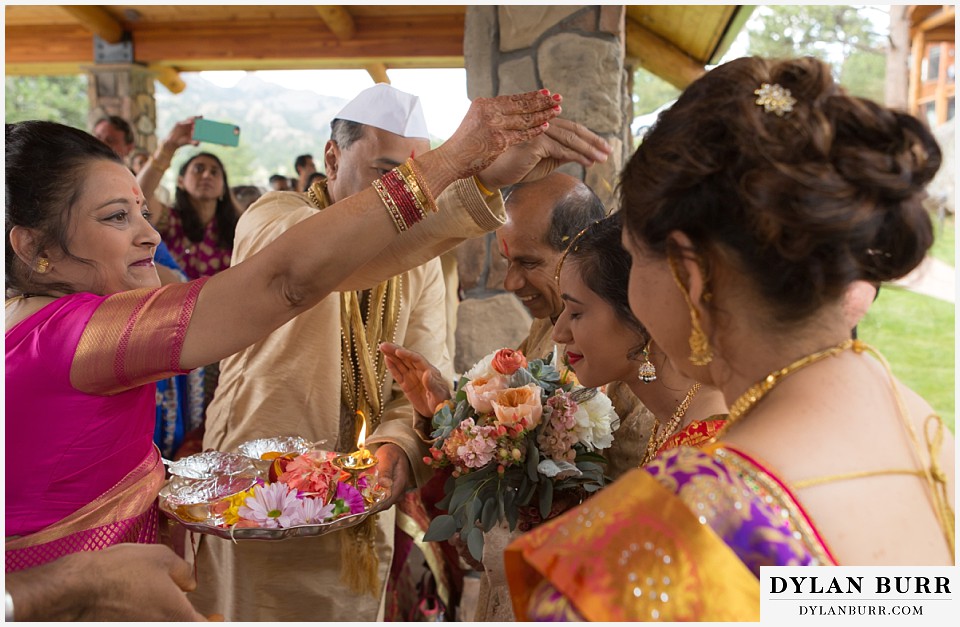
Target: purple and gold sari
{"x":82,"y":469}
{"x":682,"y":539}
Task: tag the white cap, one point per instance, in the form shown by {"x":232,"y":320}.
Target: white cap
{"x":388,"y":108}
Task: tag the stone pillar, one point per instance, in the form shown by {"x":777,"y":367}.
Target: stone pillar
{"x":127,"y":90}
{"x":577,"y":51}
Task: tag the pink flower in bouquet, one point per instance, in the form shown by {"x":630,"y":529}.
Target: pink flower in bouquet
{"x":478,"y":451}
{"x":519,"y":406}
{"x":482,"y":390}
{"x":271,"y":506}
{"x":457,"y":438}
{"x":507,"y":361}
{"x":308,"y":474}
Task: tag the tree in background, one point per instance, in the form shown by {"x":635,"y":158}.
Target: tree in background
{"x":60,"y":99}
{"x":650,"y":92}
{"x":844,"y":36}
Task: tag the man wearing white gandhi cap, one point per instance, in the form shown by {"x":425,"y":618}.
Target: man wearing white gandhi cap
{"x":311,"y":376}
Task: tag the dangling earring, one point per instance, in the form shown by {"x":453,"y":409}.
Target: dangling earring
{"x":43,"y":265}
{"x":700,"y":352}
{"x":647,"y":371}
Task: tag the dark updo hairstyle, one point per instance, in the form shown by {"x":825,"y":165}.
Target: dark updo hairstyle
{"x":807,"y":203}
{"x":45,"y":169}
{"x":604,"y":267}
{"x":226,"y":214}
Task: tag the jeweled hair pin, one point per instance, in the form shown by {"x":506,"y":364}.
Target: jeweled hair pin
{"x":775,"y":99}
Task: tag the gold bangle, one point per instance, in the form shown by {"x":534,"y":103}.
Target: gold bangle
{"x":410,"y":179}
{"x":391,"y":206}
{"x":159,"y":162}
{"x":483,"y":190}
{"x":431,"y":199}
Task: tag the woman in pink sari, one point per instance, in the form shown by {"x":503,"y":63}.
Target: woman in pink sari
{"x":89,"y":329}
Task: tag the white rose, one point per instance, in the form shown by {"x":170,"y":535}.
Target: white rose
{"x":483,"y":368}
{"x":595,"y":422}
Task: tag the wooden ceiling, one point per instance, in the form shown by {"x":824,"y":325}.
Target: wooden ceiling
{"x":671,"y":41}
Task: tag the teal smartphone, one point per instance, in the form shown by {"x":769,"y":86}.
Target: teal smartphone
{"x":216,"y":132}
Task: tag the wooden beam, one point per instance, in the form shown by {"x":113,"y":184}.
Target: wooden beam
{"x":660,"y":56}
{"x":947,"y":16}
{"x":338,"y":20}
{"x":169,"y":77}
{"x":378,"y":72}
{"x":917,"y":50}
{"x":97,"y":21}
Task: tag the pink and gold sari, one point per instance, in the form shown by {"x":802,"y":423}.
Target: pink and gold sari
{"x":681,"y":539}
{"x":82,"y":469}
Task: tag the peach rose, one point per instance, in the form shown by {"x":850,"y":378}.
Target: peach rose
{"x":519,"y":406}
{"x":507,"y":361}
{"x":481,"y":391}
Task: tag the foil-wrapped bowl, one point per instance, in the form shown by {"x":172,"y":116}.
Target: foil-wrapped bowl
{"x":211,"y":464}
{"x":283,"y":445}
{"x":190,"y":501}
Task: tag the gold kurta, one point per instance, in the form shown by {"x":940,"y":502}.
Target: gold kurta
{"x":290,"y":384}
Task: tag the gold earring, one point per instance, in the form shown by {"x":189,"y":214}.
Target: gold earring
{"x":647,"y":371}
{"x":700,"y":352}
{"x":43,"y":265}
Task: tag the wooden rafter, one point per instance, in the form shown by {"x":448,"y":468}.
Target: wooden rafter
{"x":660,"y":56}
{"x":97,"y":21}
{"x":378,"y":72}
{"x":169,"y":77}
{"x":339,"y":20}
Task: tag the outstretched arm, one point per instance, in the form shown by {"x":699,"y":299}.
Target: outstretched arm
{"x":310,"y":260}
{"x":149,"y":177}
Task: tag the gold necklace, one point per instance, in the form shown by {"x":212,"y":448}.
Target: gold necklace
{"x":659,"y":437}
{"x":749,"y":399}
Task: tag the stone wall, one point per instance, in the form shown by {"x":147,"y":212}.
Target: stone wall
{"x":127,"y":90}
{"x":578,"y":52}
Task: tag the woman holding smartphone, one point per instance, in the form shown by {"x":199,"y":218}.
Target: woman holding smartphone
{"x":199,"y":226}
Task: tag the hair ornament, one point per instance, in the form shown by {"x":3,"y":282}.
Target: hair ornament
{"x":572,"y":246}
{"x":775,"y":99}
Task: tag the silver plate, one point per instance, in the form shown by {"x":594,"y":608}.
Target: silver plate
{"x":260,"y":533}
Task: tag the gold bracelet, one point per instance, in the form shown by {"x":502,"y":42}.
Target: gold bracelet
{"x":159,"y":162}
{"x":483,"y":190}
{"x":391,"y":206}
{"x":410,"y":179}
{"x":431,"y":199}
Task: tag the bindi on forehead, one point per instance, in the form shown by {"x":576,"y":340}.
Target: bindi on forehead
{"x":136,"y":195}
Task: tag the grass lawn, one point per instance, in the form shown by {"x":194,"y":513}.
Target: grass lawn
{"x":944,"y":241}
{"x":916,"y":335}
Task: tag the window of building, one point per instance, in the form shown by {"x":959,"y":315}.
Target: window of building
{"x":951,"y":107}
{"x":930,"y":110}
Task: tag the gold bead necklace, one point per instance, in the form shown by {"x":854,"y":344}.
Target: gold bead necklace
{"x":659,"y":437}
{"x":749,"y":399}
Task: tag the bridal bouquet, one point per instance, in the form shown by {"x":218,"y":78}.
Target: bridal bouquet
{"x":516,"y":433}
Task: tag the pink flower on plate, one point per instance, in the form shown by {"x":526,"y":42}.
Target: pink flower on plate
{"x":351,"y":498}
{"x":271,"y":506}
{"x":308,"y":474}
{"x":519,"y":406}
{"x":481,"y":391}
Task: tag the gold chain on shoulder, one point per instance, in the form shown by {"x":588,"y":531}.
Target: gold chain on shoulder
{"x":660,"y":436}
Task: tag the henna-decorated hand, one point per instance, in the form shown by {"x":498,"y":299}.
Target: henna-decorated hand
{"x":492,"y":125}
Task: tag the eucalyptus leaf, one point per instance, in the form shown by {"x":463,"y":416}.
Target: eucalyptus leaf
{"x":488,"y":518}
{"x":461,"y":493}
{"x":546,"y":498}
{"x":461,"y":394}
{"x":441,"y":528}
{"x":472,"y":509}
{"x":533,"y":458}
{"x":591,"y":487}
{"x":509,"y":504}
{"x":475,"y":543}
{"x":590,"y":456}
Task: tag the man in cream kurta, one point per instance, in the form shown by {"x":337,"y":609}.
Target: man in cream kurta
{"x":290,"y":382}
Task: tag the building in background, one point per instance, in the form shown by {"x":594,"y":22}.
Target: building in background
{"x":933,"y":86}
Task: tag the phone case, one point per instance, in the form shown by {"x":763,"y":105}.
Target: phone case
{"x":216,"y":132}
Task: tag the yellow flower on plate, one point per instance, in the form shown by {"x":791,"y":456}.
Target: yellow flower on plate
{"x":229,"y":506}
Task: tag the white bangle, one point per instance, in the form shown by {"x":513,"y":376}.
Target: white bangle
{"x":8,"y":608}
